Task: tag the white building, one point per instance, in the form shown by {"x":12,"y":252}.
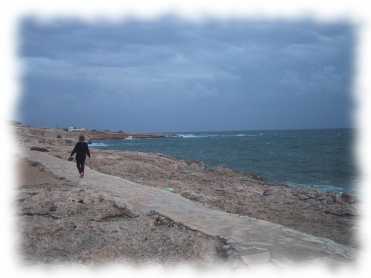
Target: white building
{"x":74,"y":129}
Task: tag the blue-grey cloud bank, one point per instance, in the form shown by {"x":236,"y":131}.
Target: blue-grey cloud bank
{"x":170,"y":74}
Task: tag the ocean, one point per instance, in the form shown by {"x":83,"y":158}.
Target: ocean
{"x":321,"y":158}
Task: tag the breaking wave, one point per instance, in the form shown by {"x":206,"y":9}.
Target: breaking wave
{"x":191,"y":135}
{"x":97,"y":144}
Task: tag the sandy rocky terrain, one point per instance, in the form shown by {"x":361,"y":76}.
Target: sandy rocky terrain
{"x":109,"y":232}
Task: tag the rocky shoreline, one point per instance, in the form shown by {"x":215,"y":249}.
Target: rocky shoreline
{"x":60,"y":133}
{"x":322,"y":214}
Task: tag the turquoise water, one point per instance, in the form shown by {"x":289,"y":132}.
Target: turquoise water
{"x":316,"y":158}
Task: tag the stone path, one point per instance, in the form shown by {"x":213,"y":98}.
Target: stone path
{"x":252,"y":240}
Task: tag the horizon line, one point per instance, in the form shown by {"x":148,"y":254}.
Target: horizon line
{"x":188,"y":131}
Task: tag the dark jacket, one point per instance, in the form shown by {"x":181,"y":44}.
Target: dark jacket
{"x":81,"y":149}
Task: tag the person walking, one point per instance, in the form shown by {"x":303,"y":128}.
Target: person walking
{"x":81,"y":149}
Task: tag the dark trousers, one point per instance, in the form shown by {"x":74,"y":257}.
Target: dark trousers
{"x":80,"y":163}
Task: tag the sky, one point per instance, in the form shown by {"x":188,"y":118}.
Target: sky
{"x":170,"y":74}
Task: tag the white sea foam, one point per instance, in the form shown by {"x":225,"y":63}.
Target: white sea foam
{"x":212,"y":135}
{"x":328,"y":187}
{"x":98,"y":144}
{"x":187,"y":136}
{"x":198,"y":135}
{"x":320,"y":187}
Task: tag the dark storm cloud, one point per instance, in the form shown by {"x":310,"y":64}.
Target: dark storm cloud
{"x":170,"y":74}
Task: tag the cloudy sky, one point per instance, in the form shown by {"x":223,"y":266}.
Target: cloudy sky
{"x":173,"y":75}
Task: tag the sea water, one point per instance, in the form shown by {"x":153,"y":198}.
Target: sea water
{"x":317,"y":158}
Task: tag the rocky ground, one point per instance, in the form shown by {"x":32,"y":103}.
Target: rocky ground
{"x":322,"y":214}
{"x":62,"y":222}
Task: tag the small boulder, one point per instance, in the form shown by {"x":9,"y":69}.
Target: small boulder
{"x":39,"y":149}
{"x":224,"y":170}
{"x":192,"y":196}
{"x":340,"y":211}
{"x":68,"y":141}
{"x":256,"y":177}
{"x":347,"y":198}
{"x":267,"y":192}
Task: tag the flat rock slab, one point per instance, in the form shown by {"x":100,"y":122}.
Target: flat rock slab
{"x":252,"y":240}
